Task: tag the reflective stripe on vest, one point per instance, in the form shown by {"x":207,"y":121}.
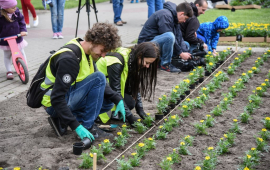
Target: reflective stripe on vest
{"x":102,"y":65}
{"x":85,"y":70}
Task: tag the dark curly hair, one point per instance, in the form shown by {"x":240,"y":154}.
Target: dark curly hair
{"x":104,"y":34}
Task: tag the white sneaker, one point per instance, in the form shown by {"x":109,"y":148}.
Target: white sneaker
{"x":35,"y":22}
{"x":55,"y":36}
{"x":28,"y":26}
{"x":210,"y":6}
{"x":60,"y":36}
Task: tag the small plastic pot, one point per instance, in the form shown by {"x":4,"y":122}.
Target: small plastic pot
{"x":201,"y":80}
{"x":86,"y":143}
{"x":187,"y":93}
{"x":213,"y":69}
{"x":183,"y":96}
{"x":78,"y":148}
{"x":192,"y":86}
{"x":158,"y":116}
{"x":221,"y":62}
{"x":167,"y":111}
{"x":197,"y":82}
{"x":178,"y":101}
{"x":217,"y":65}
{"x":207,"y":73}
{"x":172,"y":105}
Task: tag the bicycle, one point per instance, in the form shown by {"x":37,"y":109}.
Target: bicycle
{"x":18,"y":60}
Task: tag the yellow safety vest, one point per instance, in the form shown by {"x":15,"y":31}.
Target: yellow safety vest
{"x":85,"y":70}
{"x":102,"y":65}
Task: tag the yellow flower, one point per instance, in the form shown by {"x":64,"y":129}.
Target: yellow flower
{"x":264,"y":130}
{"x":119,"y":133}
{"x":184,"y":106}
{"x":150,"y":138}
{"x":198,"y":168}
{"x":186,"y":80}
{"x":253,"y":149}
{"x":233,"y":86}
{"x":248,"y":156}
{"x":187,"y":137}
{"x":199,"y":67}
{"x":209,"y":52}
{"x":124,"y":125}
{"x":235,"y":120}
{"x":198,"y":97}
{"x":229,"y":67}
{"x":134,"y":153}
{"x":249,"y":48}
{"x":99,"y":145}
{"x":188,"y":99}
{"x":123,"y":156}
{"x":259,"y":58}
{"x":160,"y":98}
{"x":250,"y":101}
{"x":210,"y":63}
{"x":139,"y":120}
{"x":239,"y":79}
{"x":165,"y":120}
{"x":254,"y":68}
{"x":208,"y":115}
{"x":106,"y":141}
{"x":17,"y":168}
{"x":225,"y":99}
{"x":148,"y":114}
{"x":91,"y":155}
{"x":228,"y":48}
{"x":256,"y":61}
{"x":204,"y":88}
{"x":164,"y":95}
{"x":258,"y":88}
{"x":169,"y":158}
{"x":267,"y":118}
{"x":244,"y":51}
{"x":246,"y":168}
{"x":225,"y":135}
{"x":224,"y":51}
{"x":174,"y":150}
{"x":173,"y":117}
{"x":141,"y":145}
{"x":221,"y":138}
{"x":266,"y":80}
{"x":182,"y":143}
{"x":201,"y":121}
{"x":236,"y":58}
{"x":210,"y":148}
{"x":160,"y":127}
{"x":176,"y":87}
{"x":263,"y":84}
{"x":191,"y":74}
{"x":207,"y":157}
{"x":260,"y":139}
{"x":174,"y":90}
{"x":243,"y":74}
{"x":250,"y":71}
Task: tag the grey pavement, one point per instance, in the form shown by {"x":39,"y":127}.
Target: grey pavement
{"x":40,"y":42}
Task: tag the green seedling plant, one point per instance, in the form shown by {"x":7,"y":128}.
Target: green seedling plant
{"x":264,"y":87}
{"x":185,"y":111}
{"x":212,"y":87}
{"x":189,"y":102}
{"x":167,"y":126}
{"x":139,"y":126}
{"x":231,"y":69}
{"x":249,"y":51}
{"x":217,"y":111}
{"x":148,"y":120}
{"x":120,"y":140}
{"x":183,"y":149}
{"x":236,"y":61}
{"x":204,"y":98}
{"x":266,"y":81}
{"x":189,"y":140}
{"x":198,"y":102}
{"x":239,"y":84}
{"x":235,"y":127}
{"x":134,"y":160}
{"x":255,"y":99}
{"x":223,"y":146}
{"x":250,"y":107}
{"x":244,"y":77}
{"x":250,"y":73}
{"x":266,"y":122}
{"x":161,"y":134}
{"x":216,"y":82}
{"x":125,"y":131}
{"x":259,"y":91}
{"x":212,"y":153}
{"x":200,"y":71}
{"x":265,"y":135}
{"x":141,"y":149}
{"x":87,"y":160}
{"x":268,"y":74}
{"x":244,"y":117}
{"x":257,"y":64}
{"x":208,"y":163}
{"x":162,"y":104}
{"x":201,"y":128}
{"x":209,"y":121}
{"x":255,"y":70}
{"x":123,"y":164}
{"x":173,"y":97}
{"x":166,"y":164}
{"x":184,"y":84}
{"x":204,"y":90}
{"x":150,"y":143}
{"x":248,"y":162}
{"x":260,"y":61}
{"x":210,"y":66}
{"x":107,"y":146}
{"x":255,"y":155}
{"x":233,"y":90}
{"x":224,"y":103}
{"x":261,"y":144}
{"x":175,"y":156}
{"x":223,"y":54}
{"x":174,"y":120}
{"x":229,"y":97}
{"x":230,"y":137}
{"x":264,"y":57}
{"x":192,"y":77}
{"x":98,"y":151}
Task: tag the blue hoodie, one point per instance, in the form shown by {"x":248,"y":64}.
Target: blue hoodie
{"x":209,"y":31}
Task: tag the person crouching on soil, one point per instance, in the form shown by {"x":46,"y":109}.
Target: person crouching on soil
{"x":209,"y":32}
{"x":78,"y":91}
{"x":133,"y":74}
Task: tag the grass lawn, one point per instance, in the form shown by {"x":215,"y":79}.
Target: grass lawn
{"x":69,"y":3}
{"x":239,"y":16}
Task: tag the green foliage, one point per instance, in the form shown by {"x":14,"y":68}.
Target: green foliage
{"x":87,"y":161}
{"x":120,"y":140}
{"x":223,"y":146}
{"x":244,"y":117}
{"x":148,"y":120}
{"x":139,"y":127}
{"x":150,"y":143}
{"x":123,"y":164}
{"x":201,"y":128}
{"x":162,"y":104}
{"x":166,"y":164}
{"x":183,"y":149}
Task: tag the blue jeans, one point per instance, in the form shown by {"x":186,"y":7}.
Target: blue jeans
{"x":165,"y":42}
{"x":117,"y":9}
{"x":85,"y":99}
{"x":57,"y":15}
{"x":153,"y":6}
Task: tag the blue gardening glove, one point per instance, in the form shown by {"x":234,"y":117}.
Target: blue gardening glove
{"x":84,"y":133}
{"x":121,"y":107}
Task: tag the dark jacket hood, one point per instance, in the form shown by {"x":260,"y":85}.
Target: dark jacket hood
{"x":171,"y":7}
{"x":194,"y":8}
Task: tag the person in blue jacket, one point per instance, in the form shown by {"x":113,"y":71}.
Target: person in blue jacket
{"x":209,"y":32}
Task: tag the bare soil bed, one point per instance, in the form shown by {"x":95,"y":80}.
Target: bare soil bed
{"x":27,"y":140}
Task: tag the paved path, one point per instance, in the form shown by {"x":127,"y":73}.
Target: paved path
{"x":40,"y":42}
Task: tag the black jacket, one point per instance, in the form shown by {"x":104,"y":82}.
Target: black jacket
{"x":67,"y":63}
{"x":189,"y":27}
{"x":163,"y":21}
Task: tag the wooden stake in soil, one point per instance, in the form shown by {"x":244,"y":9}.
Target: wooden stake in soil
{"x":236,"y":46}
{"x":95,"y":161}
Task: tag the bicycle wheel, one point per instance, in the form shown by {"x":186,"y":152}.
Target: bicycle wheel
{"x":23,"y":72}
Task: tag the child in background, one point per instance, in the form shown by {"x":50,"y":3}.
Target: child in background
{"x":209,"y":32}
{"x":26,"y":4}
{"x":11,"y":23}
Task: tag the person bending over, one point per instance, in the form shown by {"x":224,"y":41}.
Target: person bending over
{"x":132,"y":73}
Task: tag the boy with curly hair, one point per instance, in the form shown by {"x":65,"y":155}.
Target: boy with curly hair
{"x":76,"y":98}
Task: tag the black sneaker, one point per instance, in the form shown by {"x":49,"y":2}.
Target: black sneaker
{"x":58,"y":128}
{"x":99,"y":133}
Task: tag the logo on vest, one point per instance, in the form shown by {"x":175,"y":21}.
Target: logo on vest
{"x":66,"y":78}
